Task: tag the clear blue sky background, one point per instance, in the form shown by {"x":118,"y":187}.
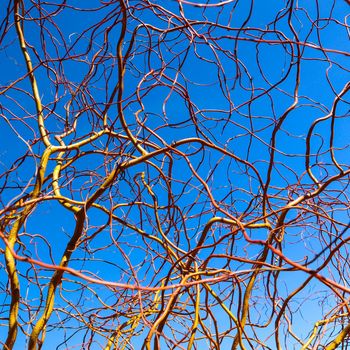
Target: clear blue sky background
{"x":218,"y":96}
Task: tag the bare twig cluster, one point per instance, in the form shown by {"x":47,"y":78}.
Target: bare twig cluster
{"x":174,"y":174}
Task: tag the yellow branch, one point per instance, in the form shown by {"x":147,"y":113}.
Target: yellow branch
{"x":37,"y":99}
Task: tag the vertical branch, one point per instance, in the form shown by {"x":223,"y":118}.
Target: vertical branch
{"x":36,"y":95}
{"x":55,"y":281}
{"x":121,"y":73}
{"x":10,"y":261}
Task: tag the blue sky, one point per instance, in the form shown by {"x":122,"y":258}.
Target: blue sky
{"x":227,"y":84}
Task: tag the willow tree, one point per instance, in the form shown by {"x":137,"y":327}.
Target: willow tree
{"x":174,"y":174}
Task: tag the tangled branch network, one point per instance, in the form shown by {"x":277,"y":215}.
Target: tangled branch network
{"x":174,"y":174}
